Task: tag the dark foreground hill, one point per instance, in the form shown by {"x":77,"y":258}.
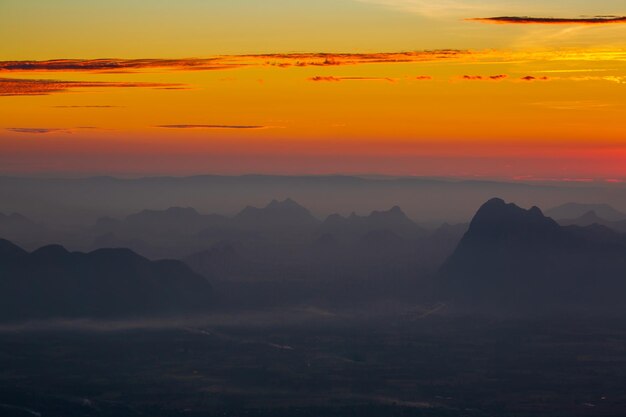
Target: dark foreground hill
{"x":517,"y":260}
{"x":52,"y":282}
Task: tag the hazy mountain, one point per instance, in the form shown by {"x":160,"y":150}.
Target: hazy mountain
{"x":221,"y":261}
{"x":20,"y":228}
{"x":439,"y":244}
{"x":393,"y":220}
{"x":80,"y":201}
{"x":53,"y":282}
{"x":174,"y":220}
{"x":575,"y":210}
{"x":284,"y":215}
{"x":591,"y":218}
{"x":512,"y":259}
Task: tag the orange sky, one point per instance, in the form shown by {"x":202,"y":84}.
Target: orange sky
{"x":479,"y":108}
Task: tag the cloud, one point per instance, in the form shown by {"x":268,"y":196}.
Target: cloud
{"x":33,"y":130}
{"x":331,"y":78}
{"x":226,"y":62}
{"x":533,"y":78}
{"x":185,"y":126}
{"x":496,"y":77}
{"x":113,"y":65}
{"x":596,"y":20}
{"x":44,"y":130}
{"x":32,"y":87}
{"x":423,"y":78}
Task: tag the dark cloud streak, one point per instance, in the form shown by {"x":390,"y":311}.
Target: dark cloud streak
{"x":331,"y":78}
{"x":36,"y":87}
{"x":104,"y":106}
{"x":119,"y":65}
{"x":527,"y":20}
{"x":34,"y":130}
{"x":185,"y":126}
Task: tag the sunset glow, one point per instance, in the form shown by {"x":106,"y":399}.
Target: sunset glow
{"x":375,"y":87}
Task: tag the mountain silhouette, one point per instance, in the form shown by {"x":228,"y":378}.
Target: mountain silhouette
{"x":512,"y":259}
{"x":276,"y":216}
{"x":53,"y":282}
{"x":354,"y":226}
{"x":10,"y":251}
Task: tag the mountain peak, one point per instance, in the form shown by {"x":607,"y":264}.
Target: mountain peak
{"x":277,"y":214}
{"x":285,"y":204}
{"x":497,"y":216}
{"x":50,"y":252}
{"x":395,"y":211}
{"x":182,"y":211}
{"x":513,"y":259}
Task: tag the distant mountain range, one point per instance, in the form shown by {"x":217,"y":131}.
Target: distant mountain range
{"x":60,"y":202}
{"x":509,"y":260}
{"x":590,"y":218}
{"x":185,"y":231}
{"x":53,"y":282}
{"x":280,"y":216}
{"x":18,"y":227}
{"x":277,"y":215}
{"x":512,"y":259}
{"x":393,"y":220}
{"x":575,"y":210}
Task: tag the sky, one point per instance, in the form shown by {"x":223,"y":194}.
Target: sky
{"x":517,"y":90}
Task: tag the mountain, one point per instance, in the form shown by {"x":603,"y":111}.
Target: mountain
{"x":512,"y":259}
{"x":393,"y":220}
{"x":591,"y":218}
{"x":53,"y":282}
{"x":174,"y":220}
{"x":10,"y":251}
{"x":575,"y":210}
{"x":79,"y":201}
{"x":438,"y":245}
{"x":286,"y":215}
{"x":17,"y":227}
{"x":219,"y":262}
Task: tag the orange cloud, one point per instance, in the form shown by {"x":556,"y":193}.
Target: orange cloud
{"x":328,"y":78}
{"x":26,"y":87}
{"x":112,"y":65}
{"x":337,"y":79}
{"x":596,"y":20}
{"x":226,"y":61}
